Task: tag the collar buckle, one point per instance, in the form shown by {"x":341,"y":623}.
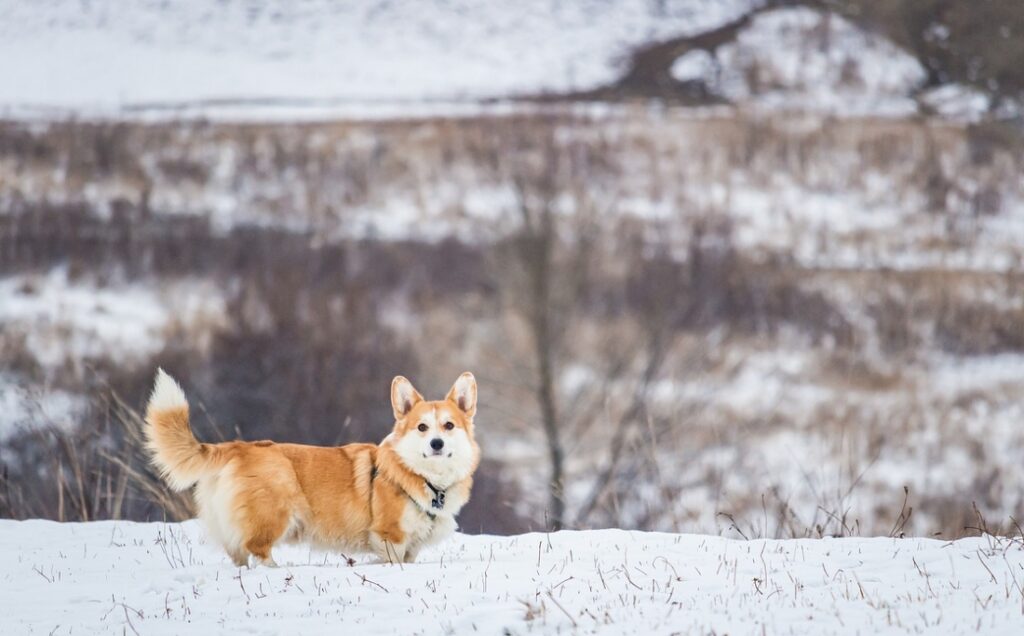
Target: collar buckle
{"x":438,"y":500}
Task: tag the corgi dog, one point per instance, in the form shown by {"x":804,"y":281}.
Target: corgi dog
{"x":390,"y":499}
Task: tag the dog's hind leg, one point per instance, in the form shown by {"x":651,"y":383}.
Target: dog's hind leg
{"x":268,"y":501}
{"x":263,"y":534}
{"x":262,"y":522}
{"x":267,"y":561}
{"x":260,"y":547}
{"x":238,"y":556}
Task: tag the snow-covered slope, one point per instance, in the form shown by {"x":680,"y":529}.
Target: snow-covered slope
{"x":114,"y":577}
{"x":105,"y":57}
{"x":804,"y":59}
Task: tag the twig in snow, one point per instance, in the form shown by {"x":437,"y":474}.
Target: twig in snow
{"x":366,"y":580}
{"x":40,"y":573}
{"x":904,"y":516}
{"x":559,"y":606}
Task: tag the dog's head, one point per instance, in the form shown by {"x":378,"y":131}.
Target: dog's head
{"x":435,"y":439}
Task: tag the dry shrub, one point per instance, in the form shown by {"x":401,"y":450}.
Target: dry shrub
{"x":315,"y":341}
{"x":718,"y":285}
{"x":979,"y":328}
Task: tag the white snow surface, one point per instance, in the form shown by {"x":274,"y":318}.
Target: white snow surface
{"x":64,"y":320}
{"x":110,"y":57}
{"x":26,"y":407}
{"x":155,"y":578}
{"x":805,"y":59}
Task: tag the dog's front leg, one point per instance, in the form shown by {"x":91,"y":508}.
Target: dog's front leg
{"x":411,"y":552}
{"x":388,"y":550}
{"x":444,"y":527}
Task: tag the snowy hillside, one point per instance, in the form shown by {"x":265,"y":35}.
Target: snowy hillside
{"x":317,"y":60}
{"x":102,"y":57}
{"x":855,"y":290}
{"x":750,"y":268}
{"x":108,"y":577}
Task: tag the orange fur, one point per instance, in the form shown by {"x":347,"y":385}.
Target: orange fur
{"x":252,"y":495}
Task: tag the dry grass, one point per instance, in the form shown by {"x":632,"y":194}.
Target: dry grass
{"x":713,"y":357}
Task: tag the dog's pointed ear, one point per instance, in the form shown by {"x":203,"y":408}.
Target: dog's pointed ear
{"x":404,"y":396}
{"x":463,"y":394}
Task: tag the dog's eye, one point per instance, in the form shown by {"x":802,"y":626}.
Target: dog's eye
{"x":448,"y":426}
{"x":422,"y":428}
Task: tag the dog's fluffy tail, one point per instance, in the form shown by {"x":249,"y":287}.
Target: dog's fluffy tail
{"x":175,"y":451}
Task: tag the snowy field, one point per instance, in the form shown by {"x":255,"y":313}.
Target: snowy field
{"x":69,"y":55}
{"x":316,"y":60}
{"x":114,"y":577}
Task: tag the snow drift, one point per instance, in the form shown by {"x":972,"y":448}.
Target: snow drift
{"x":157,"y":578}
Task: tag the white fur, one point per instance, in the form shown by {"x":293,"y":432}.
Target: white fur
{"x":267,"y":562}
{"x":387,"y":552}
{"x":421,"y":531}
{"x":215,"y":497}
{"x":167,"y":393}
{"x":464,"y":391}
{"x":404,"y":396}
{"x":441,"y":470}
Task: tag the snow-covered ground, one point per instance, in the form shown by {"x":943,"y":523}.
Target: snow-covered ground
{"x":805,"y":59}
{"x":66,"y":321}
{"x":63,"y":324}
{"x":71,"y":55}
{"x":24,"y":406}
{"x":315,"y":60}
{"x":114,"y":577}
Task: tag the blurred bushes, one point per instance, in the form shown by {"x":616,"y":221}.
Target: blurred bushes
{"x":979,"y":43}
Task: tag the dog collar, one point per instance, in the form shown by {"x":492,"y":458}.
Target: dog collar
{"x":438,"y":500}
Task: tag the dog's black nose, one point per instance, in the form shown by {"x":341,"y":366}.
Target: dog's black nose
{"x":437,"y":443}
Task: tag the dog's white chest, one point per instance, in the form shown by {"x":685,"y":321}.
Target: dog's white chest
{"x":421,"y":529}
{"x":416,"y":524}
